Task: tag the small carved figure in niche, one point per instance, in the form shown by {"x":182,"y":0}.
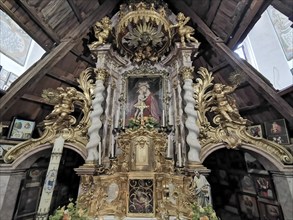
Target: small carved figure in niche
{"x":140,"y":102}
{"x":102,"y":30}
{"x":139,"y":55}
{"x":202,"y":189}
{"x":226,"y":105}
{"x":64,"y":107}
{"x":184,"y":30}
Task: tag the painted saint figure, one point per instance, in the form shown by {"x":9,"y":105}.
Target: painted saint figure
{"x":147,"y":98}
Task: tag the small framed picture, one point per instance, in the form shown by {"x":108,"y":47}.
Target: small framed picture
{"x":21,"y":129}
{"x":269,"y":211}
{"x":263,"y":186}
{"x":248,"y":206}
{"x":247,"y":185}
{"x":255,"y":130}
{"x":277,"y":131}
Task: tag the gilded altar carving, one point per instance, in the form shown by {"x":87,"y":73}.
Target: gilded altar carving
{"x":60,"y":119}
{"x":187,"y":72}
{"x":228,"y":126}
{"x":102,"y":31}
{"x":184,"y":30}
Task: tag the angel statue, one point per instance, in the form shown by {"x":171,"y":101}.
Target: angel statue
{"x":64,"y":99}
{"x":184,"y":30}
{"x":226,"y":105}
{"x":102,"y":30}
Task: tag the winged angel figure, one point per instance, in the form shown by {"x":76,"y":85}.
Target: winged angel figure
{"x":64,"y":99}
{"x":102,"y":30}
{"x":215,"y":98}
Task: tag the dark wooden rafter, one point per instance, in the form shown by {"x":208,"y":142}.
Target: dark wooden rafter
{"x":19,"y":22}
{"x":212,"y":12}
{"x":253,"y":13}
{"x":70,"y":82}
{"x":36,"y":73}
{"x":234,"y":60}
{"x":82,"y":57}
{"x":75,"y":10}
{"x":36,"y":99}
{"x":36,"y":18}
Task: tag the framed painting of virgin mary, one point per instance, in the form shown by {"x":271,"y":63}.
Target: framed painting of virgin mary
{"x":144,"y":99}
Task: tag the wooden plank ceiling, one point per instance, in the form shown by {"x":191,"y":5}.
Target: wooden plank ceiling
{"x":63,"y":28}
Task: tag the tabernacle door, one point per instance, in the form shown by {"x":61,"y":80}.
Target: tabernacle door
{"x":141,"y":150}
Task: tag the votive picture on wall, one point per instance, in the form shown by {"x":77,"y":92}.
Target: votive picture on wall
{"x":277,"y":131}
{"x":21,"y":129}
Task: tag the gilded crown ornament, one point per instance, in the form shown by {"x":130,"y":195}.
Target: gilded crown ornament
{"x":143,"y":32}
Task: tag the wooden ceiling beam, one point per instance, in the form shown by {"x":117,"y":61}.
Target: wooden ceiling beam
{"x":35,"y":99}
{"x":19,"y":22}
{"x":82,"y":57}
{"x":212,"y":12}
{"x":70,"y":82}
{"x":36,"y":72}
{"x":75,"y":10}
{"x":234,"y":60}
{"x":39,"y":21}
{"x":251,"y":16}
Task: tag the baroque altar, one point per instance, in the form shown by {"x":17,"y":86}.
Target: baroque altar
{"x":144,"y":124}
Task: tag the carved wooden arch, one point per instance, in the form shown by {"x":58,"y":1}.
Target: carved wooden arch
{"x":274,"y":163}
{"x":19,"y":161}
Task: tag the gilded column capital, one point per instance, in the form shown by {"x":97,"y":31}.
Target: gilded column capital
{"x":186,"y":72}
{"x":101,"y":74}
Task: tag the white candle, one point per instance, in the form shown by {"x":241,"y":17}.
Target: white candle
{"x":163,"y":119}
{"x":169,"y":146}
{"x":100,"y":153}
{"x":179,"y":155}
{"x":112,"y":147}
{"x":123,"y":119}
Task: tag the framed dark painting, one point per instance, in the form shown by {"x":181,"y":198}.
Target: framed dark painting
{"x":264,"y":186}
{"x":255,"y":130}
{"x":277,"y":131}
{"x":248,"y":206}
{"x":247,"y":185}
{"x":145,"y":92}
{"x":28,"y":201}
{"x":21,"y":129}
{"x":269,"y":211}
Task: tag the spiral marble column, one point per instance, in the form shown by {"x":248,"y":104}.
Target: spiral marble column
{"x":190,"y":122}
{"x":96,"y":123}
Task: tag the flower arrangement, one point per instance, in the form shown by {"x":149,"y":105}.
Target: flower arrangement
{"x":203,"y":213}
{"x":69,"y":212}
{"x":148,"y":122}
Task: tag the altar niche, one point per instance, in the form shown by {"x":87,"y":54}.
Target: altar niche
{"x":144,"y":90}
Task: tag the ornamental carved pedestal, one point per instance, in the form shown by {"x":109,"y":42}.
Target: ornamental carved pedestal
{"x":140,"y":182}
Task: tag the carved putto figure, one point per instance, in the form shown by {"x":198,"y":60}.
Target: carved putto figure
{"x":102,"y":30}
{"x":65,"y":106}
{"x":184,"y":30}
{"x":226,"y":105}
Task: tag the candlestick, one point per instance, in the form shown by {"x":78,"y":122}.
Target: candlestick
{"x":169,"y":146}
{"x":100,"y":153}
{"x":112,"y":147}
{"x":179,"y":155}
{"x":123,"y":119}
{"x":163,"y":119}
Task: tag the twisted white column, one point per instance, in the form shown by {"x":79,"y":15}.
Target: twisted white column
{"x":96,"y":124}
{"x":190,"y":123}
